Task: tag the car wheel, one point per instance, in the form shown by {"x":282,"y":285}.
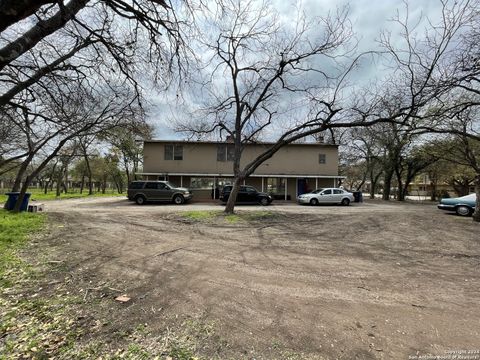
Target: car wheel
{"x":463,"y":210}
{"x":314,"y":202}
{"x":264,"y":201}
{"x":140,"y":200}
{"x":178,"y":199}
{"x":345,"y":202}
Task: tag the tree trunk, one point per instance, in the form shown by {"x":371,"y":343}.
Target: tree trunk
{"x":21,"y":196}
{"x":21,"y":173}
{"x":359,"y":186}
{"x":59,"y":182}
{"x":127,"y":171}
{"x":476,"y":213}
{"x":65,"y":183}
{"x":52,"y":174}
{"x":117,"y":185}
{"x":433,"y":185}
{"x":373,"y":184}
{"x":89,"y":174}
{"x":401,"y":190}
{"x":82,"y":184}
{"x":387,"y":184}
{"x":229,"y":208}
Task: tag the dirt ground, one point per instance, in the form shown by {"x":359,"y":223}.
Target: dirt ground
{"x":369,"y":281}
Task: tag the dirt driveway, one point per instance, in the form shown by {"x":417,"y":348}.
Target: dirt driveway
{"x":369,"y":281}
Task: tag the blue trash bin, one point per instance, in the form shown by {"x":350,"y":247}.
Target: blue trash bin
{"x":12,"y":200}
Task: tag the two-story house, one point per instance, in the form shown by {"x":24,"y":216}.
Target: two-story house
{"x":207,"y":165}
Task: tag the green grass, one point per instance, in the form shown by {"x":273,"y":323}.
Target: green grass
{"x":38,"y":194}
{"x":14,"y":231}
{"x":202,"y":215}
{"x":212,"y":215}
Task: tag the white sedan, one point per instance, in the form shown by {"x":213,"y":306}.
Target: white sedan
{"x":326,"y":196}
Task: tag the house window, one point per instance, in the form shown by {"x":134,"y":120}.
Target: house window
{"x":201,"y":183}
{"x":173,"y":152}
{"x":208,"y":183}
{"x":225,"y":152}
{"x":322,"y":158}
{"x":276,"y":186}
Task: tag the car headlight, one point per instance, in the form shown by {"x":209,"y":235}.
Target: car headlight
{"x":186,"y":192}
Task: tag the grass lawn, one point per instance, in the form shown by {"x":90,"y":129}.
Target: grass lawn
{"x":32,"y":326}
{"x":14,"y":231}
{"x":39,"y":195}
{"x":41,"y":321}
{"x":214,"y":215}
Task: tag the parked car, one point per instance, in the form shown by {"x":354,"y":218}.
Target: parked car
{"x":326,"y":196}
{"x":143,"y":191}
{"x":246,"y":194}
{"x":463,"y":206}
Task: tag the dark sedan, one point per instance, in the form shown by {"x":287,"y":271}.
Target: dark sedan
{"x":246,"y":195}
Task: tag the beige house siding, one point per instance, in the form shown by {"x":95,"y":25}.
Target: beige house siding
{"x":201,"y":158}
{"x":291,"y":165}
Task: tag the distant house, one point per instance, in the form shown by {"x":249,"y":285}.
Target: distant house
{"x":207,"y":165}
{"x":423,"y":186}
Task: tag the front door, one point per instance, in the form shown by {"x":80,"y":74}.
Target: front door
{"x":301,"y":186}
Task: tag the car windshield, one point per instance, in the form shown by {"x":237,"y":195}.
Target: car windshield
{"x":169,"y":184}
{"x":316,"y":191}
{"x":468,"y":197}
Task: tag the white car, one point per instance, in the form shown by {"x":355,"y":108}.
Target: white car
{"x":326,"y":196}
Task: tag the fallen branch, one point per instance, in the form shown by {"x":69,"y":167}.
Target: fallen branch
{"x":168,"y":252}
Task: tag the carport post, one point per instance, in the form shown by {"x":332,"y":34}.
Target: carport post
{"x":262,"y":185}
{"x":334,"y":182}
{"x":286,"y":185}
{"x":214,"y":188}
{"x":316,"y":183}
{"x":181,"y":180}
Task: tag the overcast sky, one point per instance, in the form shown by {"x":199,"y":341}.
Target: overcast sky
{"x":368,"y":18}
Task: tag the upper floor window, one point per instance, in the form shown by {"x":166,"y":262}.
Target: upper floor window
{"x":225,"y":152}
{"x":173,"y":152}
{"x":322,"y":158}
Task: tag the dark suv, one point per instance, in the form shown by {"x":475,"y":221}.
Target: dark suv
{"x":143,"y":191}
{"x":246,"y":194}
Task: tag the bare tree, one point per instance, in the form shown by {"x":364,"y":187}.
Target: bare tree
{"x":270,"y":70}
{"x":366,"y":151}
{"x":268,"y":87}
{"x":447,"y":57}
{"x":73,"y":113}
{"x":54,"y":54}
{"x":155,"y":16}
